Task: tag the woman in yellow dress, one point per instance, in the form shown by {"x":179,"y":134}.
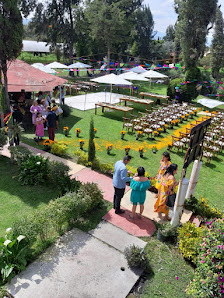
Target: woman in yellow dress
{"x":165,"y":187}
{"x":164,"y":164}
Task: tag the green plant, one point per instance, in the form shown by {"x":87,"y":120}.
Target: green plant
{"x":3,"y":137}
{"x":136,"y":257}
{"x":91,"y":148}
{"x":66,"y":110}
{"x":33,"y":170}
{"x":13,"y":252}
{"x":168,"y":231}
{"x":189,"y":238}
{"x":90,"y":195}
{"x":209,"y":277}
{"x":19,"y":153}
{"x":83,"y":158}
{"x":59,"y":149}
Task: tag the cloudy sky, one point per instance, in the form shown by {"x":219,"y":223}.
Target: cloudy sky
{"x":164,"y":15}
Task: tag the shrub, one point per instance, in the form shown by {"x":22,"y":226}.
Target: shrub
{"x":136,"y":257}
{"x":3,"y":137}
{"x":189,"y":238}
{"x":193,"y":75}
{"x":168,"y":231}
{"x":19,"y":153}
{"x":33,"y":170}
{"x":209,"y":277}
{"x":91,"y":195}
{"x":202,"y":208}
{"x":13,"y":255}
{"x":83,"y":158}
{"x":91,"y":148}
{"x":66,"y":110}
{"x":59,"y":149}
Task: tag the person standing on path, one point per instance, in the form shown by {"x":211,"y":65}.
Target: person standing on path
{"x":119,"y":182}
{"x":51,"y":123}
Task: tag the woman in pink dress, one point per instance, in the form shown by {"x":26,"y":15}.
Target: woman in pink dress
{"x":40,"y":126}
{"x":34,"y":109}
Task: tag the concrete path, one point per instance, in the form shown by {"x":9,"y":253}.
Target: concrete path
{"x":79,"y":265}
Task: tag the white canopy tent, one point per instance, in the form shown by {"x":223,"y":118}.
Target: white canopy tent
{"x":210,"y":103}
{"x":111,"y":79}
{"x":57,"y":65}
{"x":138,"y":69}
{"x":43,"y":68}
{"x":79,"y":65}
{"x":132,"y":76}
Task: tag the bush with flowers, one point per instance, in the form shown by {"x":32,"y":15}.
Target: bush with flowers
{"x":209,"y":275}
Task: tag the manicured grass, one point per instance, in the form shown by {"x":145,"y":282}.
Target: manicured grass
{"x":109,"y":125}
{"x":170,"y":272}
{"x":17,"y":200}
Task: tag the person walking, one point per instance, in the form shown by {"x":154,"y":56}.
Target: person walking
{"x":139,"y":185}
{"x":119,"y":182}
{"x":51,"y":123}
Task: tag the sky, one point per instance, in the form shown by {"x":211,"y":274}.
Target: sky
{"x":164,"y":15}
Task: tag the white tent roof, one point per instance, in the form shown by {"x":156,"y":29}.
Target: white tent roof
{"x":43,"y":68}
{"x":57,"y":65}
{"x":132,"y":76}
{"x":79,"y":65}
{"x":111,"y":79}
{"x":152,"y":74}
{"x":210,"y":103}
{"x":138,"y":69}
{"x":35,"y":46}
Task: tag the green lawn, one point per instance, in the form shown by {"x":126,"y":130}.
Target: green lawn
{"x":109,"y":125}
{"x":17,"y":200}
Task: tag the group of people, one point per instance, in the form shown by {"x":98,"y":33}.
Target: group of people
{"x":165,"y":184}
{"x":45,"y":115}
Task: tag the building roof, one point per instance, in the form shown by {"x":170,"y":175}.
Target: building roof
{"x":22,"y":76}
{"x":35,"y":46}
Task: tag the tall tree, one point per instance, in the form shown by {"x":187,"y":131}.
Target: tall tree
{"x":26,"y":6}
{"x":194,"y":18}
{"x":91,"y":149}
{"x":217,"y":50}
{"x":143,"y":32}
{"x":10,"y":38}
{"x":56,"y":20}
{"x":170,"y":33}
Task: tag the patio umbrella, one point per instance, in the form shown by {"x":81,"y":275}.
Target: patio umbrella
{"x":43,"y":68}
{"x":79,"y":65}
{"x":138,"y":69}
{"x":132,"y":76}
{"x":111,"y":79}
{"x":57,"y":65}
{"x":152,"y":74}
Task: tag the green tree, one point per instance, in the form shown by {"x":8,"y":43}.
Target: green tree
{"x":10,"y":38}
{"x":143,"y":32}
{"x":56,"y":20}
{"x":170,"y":33}
{"x":217,"y":50}
{"x":194,"y":18}
{"x":91,"y":149}
{"x":26,"y":6}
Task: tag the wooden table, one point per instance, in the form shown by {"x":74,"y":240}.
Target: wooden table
{"x":136,"y":100}
{"x":112,"y":107}
{"x":154,"y":95}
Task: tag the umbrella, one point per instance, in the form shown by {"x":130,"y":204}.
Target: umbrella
{"x":43,"y":68}
{"x":132,"y":76}
{"x":79,"y":65}
{"x":111,"y":79}
{"x":152,"y":74}
{"x":57,"y":65}
{"x":138,"y":69}
{"x":210,"y":103}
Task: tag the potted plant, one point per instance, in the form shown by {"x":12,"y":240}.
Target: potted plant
{"x":141,"y":151}
{"x":154,"y":149}
{"x":47,"y":144}
{"x":95,"y":131}
{"x":155,"y":133}
{"x":169,"y":147}
{"x":77,"y":131}
{"x":165,"y":127}
{"x":160,"y":130}
{"x":81,"y":144}
{"x":123,"y":132}
{"x":65,"y":129}
{"x":109,"y":148}
{"x":166,"y":232}
{"x":139,"y":134}
{"x":127,"y":149}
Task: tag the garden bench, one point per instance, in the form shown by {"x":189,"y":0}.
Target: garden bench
{"x":113,"y":107}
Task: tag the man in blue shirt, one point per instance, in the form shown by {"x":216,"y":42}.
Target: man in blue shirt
{"x":119,"y":182}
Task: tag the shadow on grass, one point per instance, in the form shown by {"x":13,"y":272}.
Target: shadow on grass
{"x":210,"y":165}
